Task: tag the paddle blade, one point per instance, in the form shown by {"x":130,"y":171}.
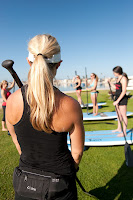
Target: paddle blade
{"x":128,"y":155}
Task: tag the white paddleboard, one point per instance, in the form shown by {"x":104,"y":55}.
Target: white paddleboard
{"x":90,"y":105}
{"x":105,"y":138}
{"x":102,"y":116}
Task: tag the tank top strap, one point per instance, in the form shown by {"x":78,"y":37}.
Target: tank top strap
{"x":23,"y":91}
{"x":120,"y":78}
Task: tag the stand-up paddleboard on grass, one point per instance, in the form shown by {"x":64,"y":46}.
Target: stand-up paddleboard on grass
{"x":90,"y":105}
{"x":102,"y":116}
{"x":105,"y":138}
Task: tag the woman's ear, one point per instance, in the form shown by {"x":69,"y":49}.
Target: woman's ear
{"x":29,"y":62}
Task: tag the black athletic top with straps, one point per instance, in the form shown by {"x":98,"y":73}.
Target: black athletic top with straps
{"x":123,"y":101}
{"x":118,"y":88}
{"x":79,"y":87}
{"x":46,"y":151}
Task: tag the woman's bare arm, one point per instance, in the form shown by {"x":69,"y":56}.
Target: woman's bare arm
{"x":77,"y":134}
{"x":3,"y":95}
{"x":13,"y":134}
{"x":14,"y":104}
{"x":12,"y":85}
{"x":112,"y":84}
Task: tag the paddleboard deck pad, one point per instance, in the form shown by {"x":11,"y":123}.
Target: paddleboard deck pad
{"x":102,"y":116}
{"x":90,"y":105}
{"x":105,"y":138}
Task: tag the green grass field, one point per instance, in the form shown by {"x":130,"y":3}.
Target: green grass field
{"x":102,"y":170}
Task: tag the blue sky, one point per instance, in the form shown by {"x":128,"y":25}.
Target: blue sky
{"x":96,"y":34}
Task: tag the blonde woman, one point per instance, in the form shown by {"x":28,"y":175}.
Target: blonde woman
{"x":77,"y":81}
{"x":94,"y":92}
{"x":5,"y":93}
{"x":43,"y":118}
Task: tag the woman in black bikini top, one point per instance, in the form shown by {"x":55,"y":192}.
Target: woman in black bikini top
{"x":77,"y":81}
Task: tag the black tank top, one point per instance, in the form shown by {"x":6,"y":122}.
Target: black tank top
{"x":41,"y":150}
{"x":118,"y":88}
{"x":79,"y":87}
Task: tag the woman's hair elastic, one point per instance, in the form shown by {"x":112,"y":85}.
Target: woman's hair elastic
{"x":39,"y":54}
{"x":54,"y":59}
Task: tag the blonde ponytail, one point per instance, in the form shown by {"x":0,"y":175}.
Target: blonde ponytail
{"x":40,"y":92}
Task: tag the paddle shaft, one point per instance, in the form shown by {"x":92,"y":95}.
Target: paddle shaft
{"x":7,"y":64}
{"x":86,"y":88}
{"x":82,"y":188}
{"x":117,"y":111}
{"x":16,"y":78}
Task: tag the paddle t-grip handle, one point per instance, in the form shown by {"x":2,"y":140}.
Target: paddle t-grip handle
{"x":7,"y":64}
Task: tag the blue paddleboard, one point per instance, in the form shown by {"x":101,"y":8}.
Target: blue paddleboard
{"x":105,"y":138}
{"x":102,"y":116}
{"x":90,"y":105}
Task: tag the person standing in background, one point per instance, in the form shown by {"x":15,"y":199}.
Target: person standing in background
{"x":76,"y":80}
{"x":94,"y":92}
{"x":5,"y":93}
{"x":121,"y":99}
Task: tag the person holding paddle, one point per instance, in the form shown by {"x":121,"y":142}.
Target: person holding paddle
{"x":5,"y":93}
{"x":94,"y":92}
{"x":120,"y":98}
{"x":76,"y":80}
{"x":39,"y":126}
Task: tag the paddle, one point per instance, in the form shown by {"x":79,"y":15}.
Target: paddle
{"x":8,"y":65}
{"x":86,"y":88}
{"x":82,"y":188}
{"x":128,"y":151}
{"x":14,"y":88}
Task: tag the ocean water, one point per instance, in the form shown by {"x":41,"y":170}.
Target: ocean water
{"x":62,"y":88}
{"x":70,"y":87}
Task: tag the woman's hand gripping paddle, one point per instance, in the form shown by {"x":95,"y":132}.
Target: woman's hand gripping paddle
{"x":128,"y":152}
{"x":8,"y":65}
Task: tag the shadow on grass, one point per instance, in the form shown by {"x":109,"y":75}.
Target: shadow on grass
{"x":120,"y":187}
{"x":130,"y":117}
{"x":101,"y":122}
{"x":99,"y":107}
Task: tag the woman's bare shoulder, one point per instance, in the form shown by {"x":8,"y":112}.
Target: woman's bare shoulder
{"x":69,"y":104}
{"x":14,"y":97}
{"x":124,"y":80}
{"x":14,"y":106}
